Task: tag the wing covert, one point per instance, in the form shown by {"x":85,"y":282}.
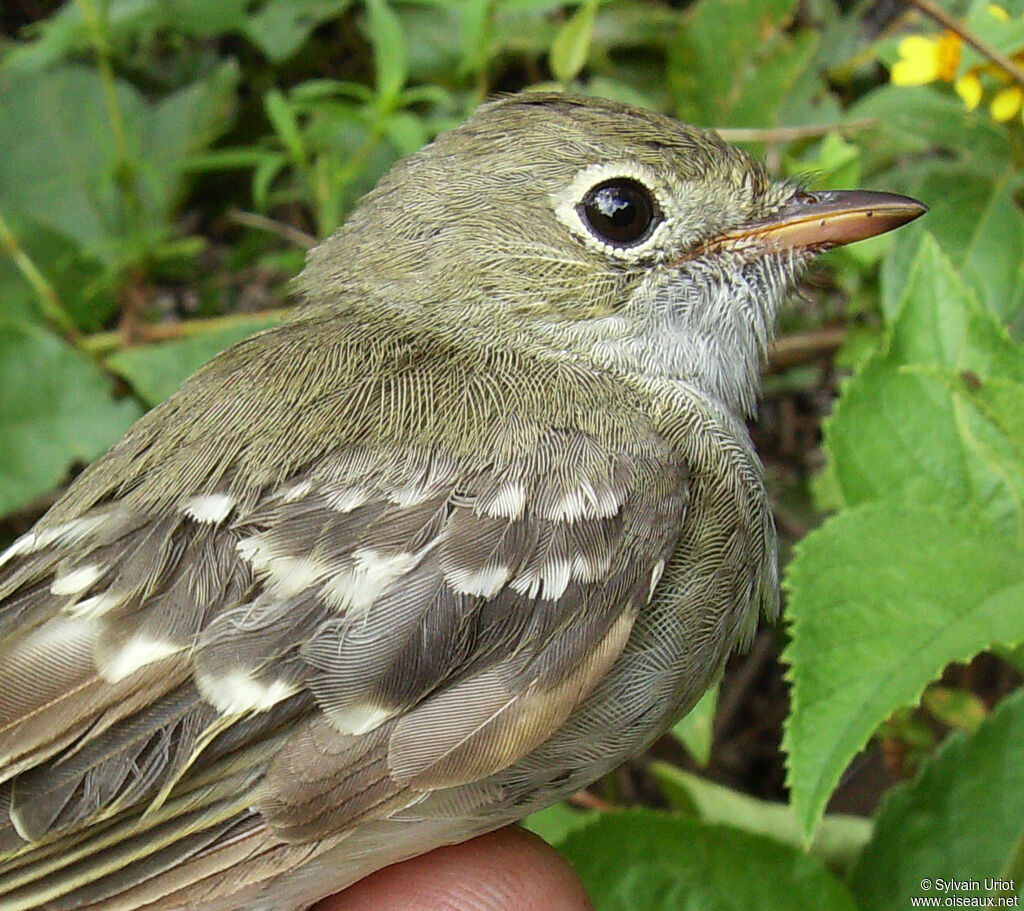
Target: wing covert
{"x":382,"y":625}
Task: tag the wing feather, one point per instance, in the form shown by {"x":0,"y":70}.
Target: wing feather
{"x":251,"y":677}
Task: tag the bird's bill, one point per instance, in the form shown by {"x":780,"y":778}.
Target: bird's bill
{"x":829,"y":218}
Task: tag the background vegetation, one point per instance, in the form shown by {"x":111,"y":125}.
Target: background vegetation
{"x":164,"y":163}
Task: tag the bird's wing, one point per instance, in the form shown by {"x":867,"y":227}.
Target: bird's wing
{"x":237,"y":680}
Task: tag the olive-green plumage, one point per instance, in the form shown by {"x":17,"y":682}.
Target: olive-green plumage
{"x":470,"y":529}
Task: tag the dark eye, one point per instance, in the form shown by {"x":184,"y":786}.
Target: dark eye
{"x":619,"y":211}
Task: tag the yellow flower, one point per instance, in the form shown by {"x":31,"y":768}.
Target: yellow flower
{"x":928,"y":58}
{"x":968,"y":87}
{"x":1006,"y":102}
{"x":924,"y":59}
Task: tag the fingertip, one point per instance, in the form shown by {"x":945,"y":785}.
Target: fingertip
{"x":506,"y":870}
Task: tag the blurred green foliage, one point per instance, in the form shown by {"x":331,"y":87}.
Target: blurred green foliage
{"x":163,"y":163}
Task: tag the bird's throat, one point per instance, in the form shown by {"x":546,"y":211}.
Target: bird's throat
{"x":708,"y":326}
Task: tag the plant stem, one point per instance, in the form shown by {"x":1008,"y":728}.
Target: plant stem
{"x":125,"y":165}
{"x":801,"y":348}
{"x":50,"y":304}
{"x":100,"y":344}
{"x":288,"y":232}
{"x":791,"y":134}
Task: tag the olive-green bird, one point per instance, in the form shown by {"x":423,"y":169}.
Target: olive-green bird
{"x":474,"y":526}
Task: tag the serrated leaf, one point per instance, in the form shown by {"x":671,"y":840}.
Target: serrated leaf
{"x":929,"y":568}
{"x":1000,"y":400}
{"x":961,"y":818}
{"x":978,"y":224}
{"x":641,"y":860}
{"x":56,"y":408}
{"x":155,"y":371}
{"x":898,"y":432}
{"x":881,"y":599}
{"x":572,"y":43}
{"x":837,"y":840}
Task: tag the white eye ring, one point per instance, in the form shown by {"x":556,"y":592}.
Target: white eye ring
{"x":571,"y":208}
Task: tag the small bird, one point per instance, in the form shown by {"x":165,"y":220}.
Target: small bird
{"x":471,"y":528}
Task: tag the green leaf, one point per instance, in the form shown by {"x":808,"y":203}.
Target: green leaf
{"x":475,"y":34}
{"x":572,"y":43}
{"x":1004,"y":35}
{"x":286,"y":125}
{"x":201,"y":18}
{"x":765,"y":92}
{"x":727,"y":47}
{"x":978,"y":224}
{"x":962,"y":817}
{"x":77,"y":280}
{"x":60,"y":161}
{"x":155,"y":371}
{"x":641,"y":860}
{"x":695,"y":730}
{"x":406,"y":131}
{"x":57,"y":151}
{"x":930,"y":565}
{"x":125,"y":21}
{"x":18,"y":300}
{"x":835,"y":164}
{"x":183,"y":124}
{"x":881,"y":599}
{"x":389,"y":53}
{"x":554,"y":823}
{"x":56,"y":408}
{"x":899,"y":432}
{"x":1002,"y":402}
{"x":916,"y":119}
{"x":263,"y":177}
{"x":281,"y":27}
{"x":838,"y":839}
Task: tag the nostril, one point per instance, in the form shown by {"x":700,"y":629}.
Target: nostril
{"x":809,"y":199}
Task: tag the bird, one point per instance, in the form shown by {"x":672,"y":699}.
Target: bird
{"x":469,"y":529}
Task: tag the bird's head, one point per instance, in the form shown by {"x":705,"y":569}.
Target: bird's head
{"x":640,"y":242}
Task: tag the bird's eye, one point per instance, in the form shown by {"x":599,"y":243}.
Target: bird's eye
{"x":620,"y":211}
